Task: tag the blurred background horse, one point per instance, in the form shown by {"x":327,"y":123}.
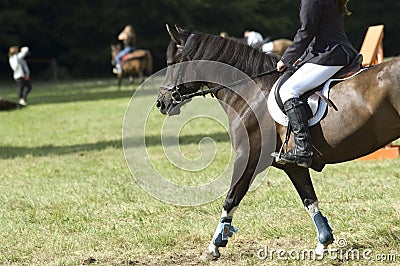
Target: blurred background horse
{"x":139,"y":64}
{"x":277,"y":46}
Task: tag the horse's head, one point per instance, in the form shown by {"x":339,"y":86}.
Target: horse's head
{"x":171,"y":95}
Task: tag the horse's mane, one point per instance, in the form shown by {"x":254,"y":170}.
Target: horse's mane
{"x":201,"y":46}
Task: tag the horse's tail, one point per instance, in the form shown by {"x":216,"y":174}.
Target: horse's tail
{"x":149,"y":66}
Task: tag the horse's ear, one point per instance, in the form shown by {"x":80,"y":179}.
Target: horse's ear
{"x":173,"y":34}
{"x":177,"y":36}
{"x":179,"y":29}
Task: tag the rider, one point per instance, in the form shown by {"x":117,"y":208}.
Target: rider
{"x":320,"y":48}
{"x":128,"y":37}
{"x":253,"y":38}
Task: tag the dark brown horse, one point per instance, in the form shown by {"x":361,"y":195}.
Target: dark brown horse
{"x":139,"y":64}
{"x":368,"y":118}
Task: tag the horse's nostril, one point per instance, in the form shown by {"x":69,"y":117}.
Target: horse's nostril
{"x":176,"y":97}
{"x":158,"y":104}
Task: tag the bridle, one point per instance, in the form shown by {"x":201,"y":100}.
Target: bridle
{"x":177,"y":97}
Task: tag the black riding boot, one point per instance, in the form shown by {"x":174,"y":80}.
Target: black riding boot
{"x":302,"y":152}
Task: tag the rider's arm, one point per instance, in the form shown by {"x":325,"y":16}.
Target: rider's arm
{"x":24,"y":52}
{"x":310,"y":14}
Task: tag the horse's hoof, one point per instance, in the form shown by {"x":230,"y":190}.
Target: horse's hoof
{"x":320,"y":249}
{"x":208,"y":256}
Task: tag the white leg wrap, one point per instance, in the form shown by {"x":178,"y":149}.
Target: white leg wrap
{"x":230,"y":214}
{"x":312,"y":208}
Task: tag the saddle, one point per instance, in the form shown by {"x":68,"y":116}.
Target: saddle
{"x":350,"y":69}
{"x":317,"y":99}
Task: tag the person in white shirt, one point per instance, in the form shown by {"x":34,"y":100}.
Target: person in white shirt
{"x":21,"y":71}
{"x":253,"y":38}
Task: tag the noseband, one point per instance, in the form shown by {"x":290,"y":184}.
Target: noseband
{"x":177,"y":97}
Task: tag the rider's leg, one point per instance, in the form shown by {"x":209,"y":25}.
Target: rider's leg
{"x":118,"y":60}
{"x":301,"y":154}
{"x":304,"y":79}
{"x":120,"y":55}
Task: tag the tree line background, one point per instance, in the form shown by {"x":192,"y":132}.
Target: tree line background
{"x":78,"y":34}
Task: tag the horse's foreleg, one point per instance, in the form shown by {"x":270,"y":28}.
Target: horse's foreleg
{"x":119,"y":76}
{"x":300,"y":178}
{"x":242,"y":175}
{"x":223,"y":231}
{"x":141,"y":76}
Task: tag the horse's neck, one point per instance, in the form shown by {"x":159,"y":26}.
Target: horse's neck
{"x":229,"y":97}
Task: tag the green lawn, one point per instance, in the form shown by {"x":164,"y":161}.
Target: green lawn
{"x":68,"y":197}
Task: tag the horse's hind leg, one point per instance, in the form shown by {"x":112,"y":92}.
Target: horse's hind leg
{"x":300,"y":178}
{"x":119,"y":82}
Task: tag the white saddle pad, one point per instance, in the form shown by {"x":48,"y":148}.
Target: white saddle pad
{"x":317,"y":105}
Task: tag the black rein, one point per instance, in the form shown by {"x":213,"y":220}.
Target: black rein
{"x":203,"y":92}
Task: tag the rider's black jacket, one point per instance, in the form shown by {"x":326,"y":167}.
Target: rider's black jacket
{"x":321,"y":39}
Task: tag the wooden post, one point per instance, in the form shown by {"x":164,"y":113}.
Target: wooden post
{"x":372,"y":47}
{"x":387,"y":152}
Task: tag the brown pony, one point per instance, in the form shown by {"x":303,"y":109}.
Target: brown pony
{"x":280,"y":45}
{"x":136,"y":64}
{"x":368,"y":118}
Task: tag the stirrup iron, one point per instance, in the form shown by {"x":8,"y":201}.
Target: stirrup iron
{"x":277,"y":155}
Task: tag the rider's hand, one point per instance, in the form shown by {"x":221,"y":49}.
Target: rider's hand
{"x":280,"y":66}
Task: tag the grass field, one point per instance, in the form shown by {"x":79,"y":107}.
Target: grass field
{"x":68,"y":198}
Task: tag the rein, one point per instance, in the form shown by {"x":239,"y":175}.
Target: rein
{"x":178,"y":97}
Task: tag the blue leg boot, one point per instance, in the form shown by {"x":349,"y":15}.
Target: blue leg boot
{"x":223,"y":232}
{"x":324,"y":231}
{"x":220,"y":239}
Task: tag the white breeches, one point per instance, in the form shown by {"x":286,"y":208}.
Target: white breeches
{"x":306,"y":78}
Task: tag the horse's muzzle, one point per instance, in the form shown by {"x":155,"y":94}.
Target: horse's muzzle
{"x":170,"y":108}
{"x":161,"y":106}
